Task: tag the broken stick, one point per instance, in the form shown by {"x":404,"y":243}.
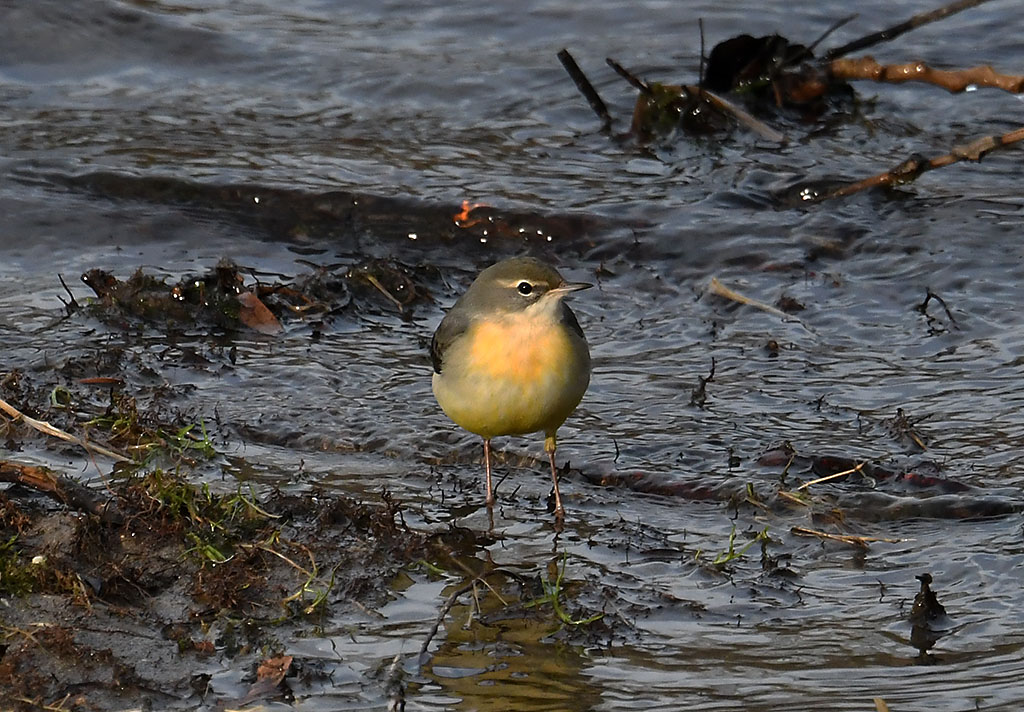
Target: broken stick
{"x":63,"y":489}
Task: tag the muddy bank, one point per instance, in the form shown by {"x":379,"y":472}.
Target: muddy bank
{"x":144,"y":612}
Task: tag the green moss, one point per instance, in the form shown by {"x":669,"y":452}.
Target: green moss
{"x":17,"y":577}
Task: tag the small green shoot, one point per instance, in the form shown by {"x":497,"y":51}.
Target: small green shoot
{"x":205,"y":550}
{"x":732,"y":553}
{"x":430,"y":568}
{"x":552,"y":595}
{"x":60,"y":397}
{"x":183,"y":440}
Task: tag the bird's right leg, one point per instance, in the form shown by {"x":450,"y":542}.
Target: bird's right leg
{"x":487,"y":467}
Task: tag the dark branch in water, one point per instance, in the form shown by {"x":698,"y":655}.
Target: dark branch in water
{"x":895,"y":31}
{"x":910,"y":169}
{"x":586,"y":89}
{"x":700,"y":73}
{"x":699,"y":396}
{"x":638,"y":83}
{"x":70,"y":306}
{"x":832,"y":28}
{"x":930,"y":295}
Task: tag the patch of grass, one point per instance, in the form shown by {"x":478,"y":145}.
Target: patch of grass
{"x":213,"y":525}
{"x":199,"y":506}
{"x":146,"y":441}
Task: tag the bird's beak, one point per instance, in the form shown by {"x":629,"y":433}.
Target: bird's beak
{"x":566,"y":287}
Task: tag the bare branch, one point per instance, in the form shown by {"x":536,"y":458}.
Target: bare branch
{"x":586,"y":88}
{"x":914,"y":166}
{"x":895,"y":31}
{"x":745,"y":119}
{"x":639,"y":84}
{"x":953,"y":81}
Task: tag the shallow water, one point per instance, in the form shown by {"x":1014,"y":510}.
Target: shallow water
{"x":436,"y":103}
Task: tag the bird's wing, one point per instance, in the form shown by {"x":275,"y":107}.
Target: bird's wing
{"x":451,"y":327}
{"x":569,"y":319}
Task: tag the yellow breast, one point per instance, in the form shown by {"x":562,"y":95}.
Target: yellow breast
{"x":514,"y":351}
{"x":513,"y":375}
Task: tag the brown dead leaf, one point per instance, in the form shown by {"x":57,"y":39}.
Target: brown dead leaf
{"x":273,"y":670}
{"x":255,"y":314}
{"x":268,"y":677}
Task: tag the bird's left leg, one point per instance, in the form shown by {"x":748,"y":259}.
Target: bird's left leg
{"x":550,"y":445}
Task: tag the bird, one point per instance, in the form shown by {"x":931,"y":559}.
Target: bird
{"x":510,"y":357}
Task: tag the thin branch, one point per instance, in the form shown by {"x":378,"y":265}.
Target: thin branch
{"x":719,"y":289}
{"x":72,"y":305}
{"x":832,"y":28}
{"x":914,"y":166}
{"x":440,"y":616}
{"x":901,"y":28}
{"x":953,"y":81}
{"x":858,"y":468}
{"x":44,"y":427}
{"x":700,"y":73}
{"x":923,"y":307}
{"x":638,"y":83}
{"x":808,"y":52}
{"x":861,"y":541}
{"x":759,"y":127}
{"x":586,"y":88}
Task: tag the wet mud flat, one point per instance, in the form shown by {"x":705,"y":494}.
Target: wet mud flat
{"x":159,"y":581}
{"x":147,"y":583}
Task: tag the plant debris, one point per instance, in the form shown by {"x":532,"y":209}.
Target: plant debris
{"x":771,"y":74}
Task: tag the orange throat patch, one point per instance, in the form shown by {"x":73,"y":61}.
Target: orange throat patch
{"x":514,"y":349}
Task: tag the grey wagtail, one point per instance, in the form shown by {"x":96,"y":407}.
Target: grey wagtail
{"x":510,"y":357}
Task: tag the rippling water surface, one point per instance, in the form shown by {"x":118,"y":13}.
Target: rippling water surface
{"x":436,"y":103}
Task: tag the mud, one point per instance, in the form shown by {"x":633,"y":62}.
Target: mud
{"x":111,"y":616}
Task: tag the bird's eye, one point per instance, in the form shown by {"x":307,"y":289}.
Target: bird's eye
{"x":525,"y":288}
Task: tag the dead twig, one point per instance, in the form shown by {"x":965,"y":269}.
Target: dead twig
{"x":69,"y":306}
{"x":719,"y":289}
{"x":383,"y":290}
{"x":440,"y":616}
{"x":636,"y":82}
{"x":692,"y":90}
{"x":858,"y":468}
{"x":44,"y":427}
{"x":923,"y":308}
{"x":586,"y":89}
{"x":954,"y":81}
{"x":63,"y":489}
{"x":699,"y":395}
{"x":393,"y":686}
{"x":891,"y":33}
{"x":792,"y":498}
{"x":852,"y":539}
{"x":910,"y":169}
{"x":745,"y":119}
